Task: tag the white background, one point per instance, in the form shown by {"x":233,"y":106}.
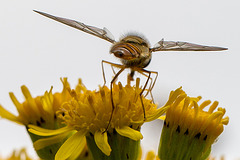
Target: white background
{"x":37,"y":51}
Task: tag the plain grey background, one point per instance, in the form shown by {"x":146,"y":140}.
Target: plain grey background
{"x":37,"y":51}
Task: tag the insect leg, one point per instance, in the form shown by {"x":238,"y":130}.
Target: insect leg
{"x":113,"y":70}
{"x":151,"y":84}
{"x":144,"y":87}
{"x":149,"y":88}
{"x":155,"y":79}
{"x":111,"y":94}
{"x":112,"y":65}
{"x":142,"y":73}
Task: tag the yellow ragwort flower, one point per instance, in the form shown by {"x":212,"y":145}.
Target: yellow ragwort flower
{"x":189,"y":131}
{"x":88,"y":114}
{"x":213,"y":158}
{"x":40,"y":111}
{"x":151,"y":156}
{"x":18,"y":155}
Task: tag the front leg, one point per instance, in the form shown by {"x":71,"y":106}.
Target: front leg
{"x":112,"y":65}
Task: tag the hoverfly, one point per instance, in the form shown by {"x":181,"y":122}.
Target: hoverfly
{"x":134,"y":52}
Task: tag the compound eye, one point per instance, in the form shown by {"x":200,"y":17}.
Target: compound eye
{"x":118,"y":53}
{"x":121,"y":52}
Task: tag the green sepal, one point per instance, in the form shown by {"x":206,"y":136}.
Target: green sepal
{"x":181,"y":145}
{"x":122,"y":148}
{"x":48,"y":152}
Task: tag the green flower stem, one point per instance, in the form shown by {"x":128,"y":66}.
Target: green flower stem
{"x":122,"y":148}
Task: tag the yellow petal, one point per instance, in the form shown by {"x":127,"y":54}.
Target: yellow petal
{"x":162,"y":117}
{"x":150,"y":155}
{"x":18,"y":105}
{"x":225,"y":120}
{"x":204,"y":104}
{"x":130,"y":133}
{"x":173,"y":95}
{"x":7,"y":115}
{"x":157,"y":114}
{"x":44,"y":142}
{"x":30,"y":99}
{"x":78,"y":150}
{"x":101,"y":140}
{"x":73,"y":144}
{"x":47,"y":132}
{"x":47,"y":102}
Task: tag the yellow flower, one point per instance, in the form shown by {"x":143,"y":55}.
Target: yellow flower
{"x":213,"y":158}
{"x":18,"y":155}
{"x":189,"y":131}
{"x":40,"y":111}
{"x":151,"y":156}
{"x":88,"y":114}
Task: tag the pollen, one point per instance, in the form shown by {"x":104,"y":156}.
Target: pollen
{"x":91,"y":110}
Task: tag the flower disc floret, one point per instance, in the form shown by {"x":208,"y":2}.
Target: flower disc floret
{"x":91,"y":110}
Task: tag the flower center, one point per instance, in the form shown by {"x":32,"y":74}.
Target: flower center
{"x":91,"y":110}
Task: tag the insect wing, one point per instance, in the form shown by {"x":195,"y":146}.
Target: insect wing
{"x":101,"y":33}
{"x":183,"y":46}
{"x":109,"y":34}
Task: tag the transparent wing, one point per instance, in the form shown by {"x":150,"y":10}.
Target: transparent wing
{"x":101,"y":33}
{"x":183,"y":46}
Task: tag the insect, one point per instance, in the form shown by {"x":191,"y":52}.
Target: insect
{"x":134,"y":52}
